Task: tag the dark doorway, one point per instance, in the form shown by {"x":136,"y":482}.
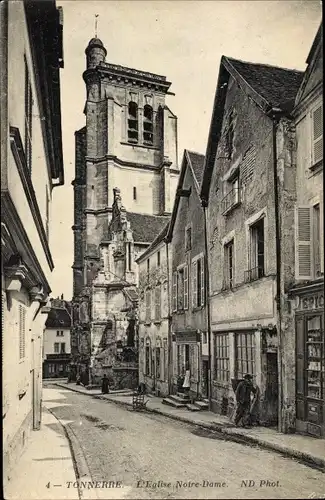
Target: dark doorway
{"x":272,"y":388}
{"x":205,"y":378}
{"x":187,"y":356}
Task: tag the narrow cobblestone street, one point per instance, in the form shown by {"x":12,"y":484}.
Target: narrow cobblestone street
{"x":136,"y":448}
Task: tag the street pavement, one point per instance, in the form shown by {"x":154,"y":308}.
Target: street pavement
{"x":143,"y":455}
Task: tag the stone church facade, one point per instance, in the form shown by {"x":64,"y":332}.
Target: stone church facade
{"x":126,"y":174}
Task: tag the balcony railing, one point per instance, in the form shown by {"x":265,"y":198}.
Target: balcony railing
{"x":254,"y":274}
{"x":230,"y":200}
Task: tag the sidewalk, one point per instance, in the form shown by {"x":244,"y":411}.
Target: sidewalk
{"x":306,"y":448}
{"x":45,"y":467}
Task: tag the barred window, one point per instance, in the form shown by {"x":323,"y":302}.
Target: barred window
{"x":22,"y":332}
{"x":245,"y":354}
{"x":222,"y":357}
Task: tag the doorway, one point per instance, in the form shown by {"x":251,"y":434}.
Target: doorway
{"x":205,"y":378}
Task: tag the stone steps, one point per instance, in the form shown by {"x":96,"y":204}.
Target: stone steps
{"x":192,"y":407}
{"x":202,"y":405}
{"x":171,"y":402}
{"x":179,"y":398}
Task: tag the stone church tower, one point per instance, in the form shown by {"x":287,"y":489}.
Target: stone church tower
{"x":126,"y":173}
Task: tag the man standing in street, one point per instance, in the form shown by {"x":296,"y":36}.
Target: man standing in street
{"x":243,"y":397}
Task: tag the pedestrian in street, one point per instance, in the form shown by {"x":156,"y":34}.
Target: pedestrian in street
{"x":186,"y":383}
{"x":243,"y":397}
{"x":105,"y":385}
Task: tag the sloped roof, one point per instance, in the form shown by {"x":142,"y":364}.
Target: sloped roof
{"x":278,"y":86}
{"x":197,"y":163}
{"x":155,"y":243}
{"x":58,"y":318}
{"x":270,"y":87}
{"x":146,"y":227}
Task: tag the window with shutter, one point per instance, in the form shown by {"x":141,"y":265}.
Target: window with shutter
{"x":303,"y":258}
{"x":317,"y":134}
{"x":22,"y":332}
{"x":174,"y":291}
{"x":194,"y":284}
{"x":202,"y":282}
{"x":186,"y":287}
{"x":158,"y":302}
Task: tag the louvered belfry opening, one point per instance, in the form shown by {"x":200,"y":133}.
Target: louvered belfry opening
{"x":133,"y":122}
{"x":148,"y":125}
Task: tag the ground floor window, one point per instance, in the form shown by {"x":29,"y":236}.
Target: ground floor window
{"x":157,"y":363}
{"x":221,"y":349}
{"x":245,"y":354}
{"x":147,"y":361}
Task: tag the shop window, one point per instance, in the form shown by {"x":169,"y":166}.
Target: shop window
{"x":245,"y":354}
{"x":198,"y":282}
{"x":257,"y":252}
{"x":133,"y":126}
{"x":315,"y":363}
{"x":221,"y":356}
{"x":148,"y":125}
{"x":229,"y":264}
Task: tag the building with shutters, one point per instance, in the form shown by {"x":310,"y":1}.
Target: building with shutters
{"x":56,"y":340}
{"x":127,"y":151}
{"x":307,"y":391}
{"x":154,"y":324}
{"x":249,"y":191}
{"x":31,"y":167}
{"x":187,"y":274}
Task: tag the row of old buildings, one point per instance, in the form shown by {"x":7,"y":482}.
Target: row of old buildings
{"x":31,"y":57}
{"x":214,"y":265}
{"x":234,"y":282}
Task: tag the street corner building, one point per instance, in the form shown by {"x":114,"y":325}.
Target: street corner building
{"x":304,"y":319}
{"x":31,"y":167}
{"x":265,"y":132}
{"x":57,"y":340}
{"x":124,"y":187}
{"x":189,"y":332}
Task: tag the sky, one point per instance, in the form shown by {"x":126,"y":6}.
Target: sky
{"x":183,"y":40}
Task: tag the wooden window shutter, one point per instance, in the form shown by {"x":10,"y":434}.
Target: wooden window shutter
{"x":174,"y":291}
{"x":186,"y":287}
{"x":202,"y":281}
{"x":303,"y":257}
{"x":194,"y":284}
{"x":22,"y":333}
{"x":317,"y":137}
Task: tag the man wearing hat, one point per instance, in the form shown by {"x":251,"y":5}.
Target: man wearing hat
{"x":243,"y":397}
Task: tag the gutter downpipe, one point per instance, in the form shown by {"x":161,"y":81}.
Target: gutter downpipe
{"x":275,"y":115}
{"x":169,"y":325}
{"x":207,"y":293}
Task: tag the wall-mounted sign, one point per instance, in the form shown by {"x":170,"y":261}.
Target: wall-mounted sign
{"x":312,"y":302}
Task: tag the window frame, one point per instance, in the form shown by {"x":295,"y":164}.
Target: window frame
{"x":249,"y":223}
{"x":229,"y":282}
{"x":222,"y":357}
{"x":246,"y":349}
{"x":133,"y":118}
{"x":198,"y":281}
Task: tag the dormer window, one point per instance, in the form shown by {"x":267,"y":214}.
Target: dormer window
{"x":133,"y":127}
{"x":148,"y":125}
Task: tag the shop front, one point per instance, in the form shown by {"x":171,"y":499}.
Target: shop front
{"x":310,"y":364}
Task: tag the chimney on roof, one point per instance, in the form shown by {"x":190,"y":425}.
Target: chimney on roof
{"x":62,"y":296}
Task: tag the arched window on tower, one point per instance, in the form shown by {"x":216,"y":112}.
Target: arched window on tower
{"x":148,"y":125}
{"x":133,"y":122}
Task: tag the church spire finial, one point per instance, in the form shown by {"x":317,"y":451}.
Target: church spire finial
{"x":96,"y":24}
